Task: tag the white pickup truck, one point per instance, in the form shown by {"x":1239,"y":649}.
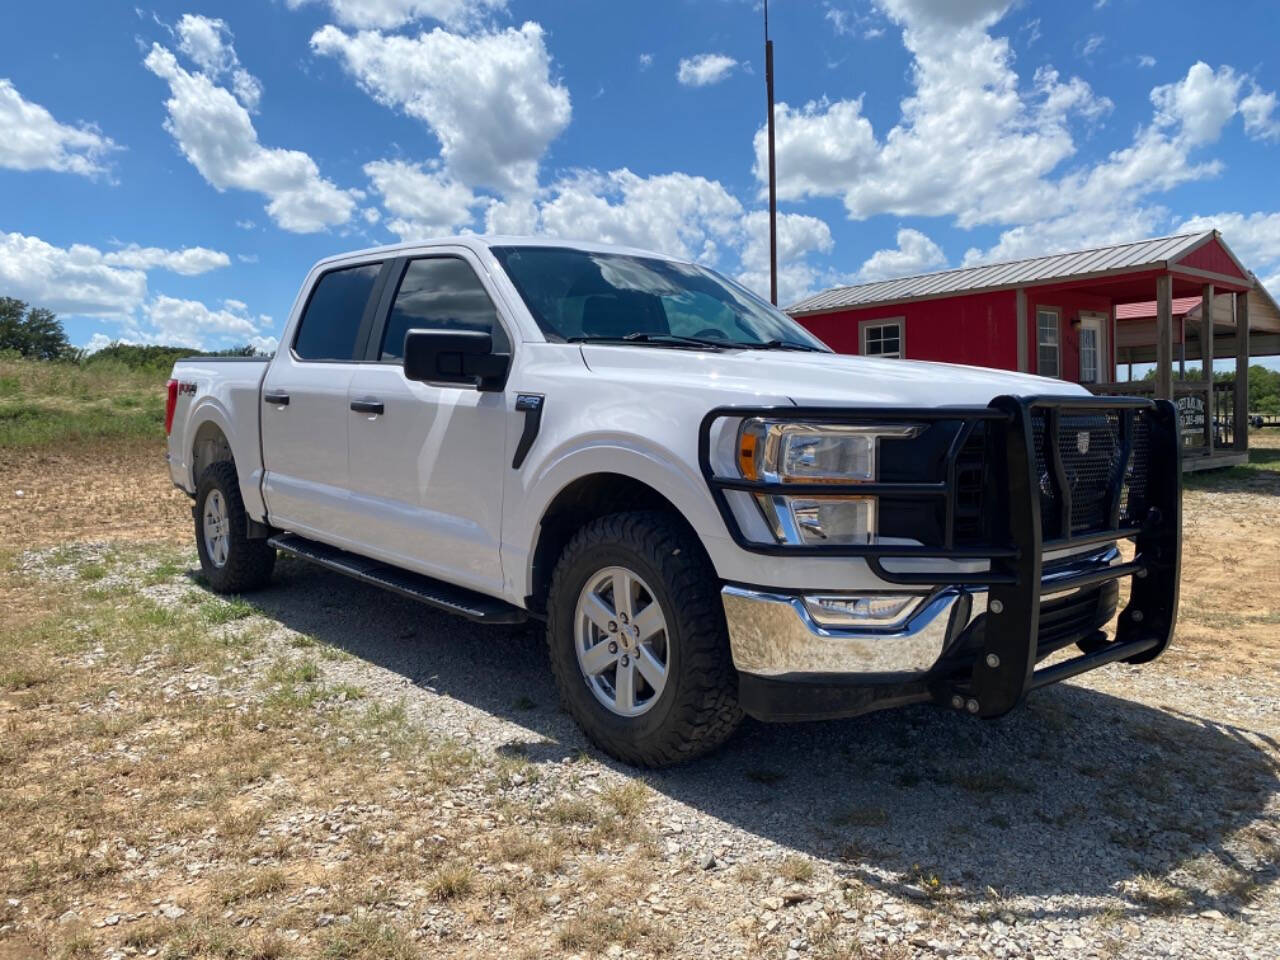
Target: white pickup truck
{"x":713,"y":514}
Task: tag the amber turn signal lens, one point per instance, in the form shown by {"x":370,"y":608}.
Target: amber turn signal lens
{"x":747,"y":442}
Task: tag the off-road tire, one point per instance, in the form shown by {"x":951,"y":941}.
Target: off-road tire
{"x":698,"y":708}
{"x":249,"y":562}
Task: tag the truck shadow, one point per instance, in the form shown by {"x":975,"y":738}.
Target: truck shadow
{"x":1076,"y":793}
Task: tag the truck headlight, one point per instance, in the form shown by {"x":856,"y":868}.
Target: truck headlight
{"x":796,"y":453}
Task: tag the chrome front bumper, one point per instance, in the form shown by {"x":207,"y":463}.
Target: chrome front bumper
{"x":775,"y":635}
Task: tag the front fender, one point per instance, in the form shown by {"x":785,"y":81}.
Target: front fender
{"x":677,"y":480}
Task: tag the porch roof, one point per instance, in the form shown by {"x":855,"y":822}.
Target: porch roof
{"x":1110,"y":270}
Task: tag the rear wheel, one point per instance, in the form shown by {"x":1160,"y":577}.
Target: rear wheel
{"x":230,"y":561}
{"x":638,"y":641}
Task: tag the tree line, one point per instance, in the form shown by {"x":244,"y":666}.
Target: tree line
{"x":36,"y":333}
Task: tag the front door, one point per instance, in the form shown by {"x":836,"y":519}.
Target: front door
{"x":1092,"y":349}
{"x":426,"y":463}
{"x":304,"y":407}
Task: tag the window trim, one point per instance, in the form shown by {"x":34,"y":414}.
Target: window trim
{"x":900,"y":322}
{"x":387,"y":299}
{"x":360,"y":345}
{"x":1057,"y":344}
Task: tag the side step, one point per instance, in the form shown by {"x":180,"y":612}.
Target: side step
{"x":435,"y":593}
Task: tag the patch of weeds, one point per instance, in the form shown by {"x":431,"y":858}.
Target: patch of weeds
{"x":91,"y":572}
{"x":626,"y":799}
{"x":1160,"y":895}
{"x":293,"y":671}
{"x":861,"y":817}
{"x":163,"y":572}
{"x":302,"y":641}
{"x":594,"y":934}
{"x":572,"y":812}
{"x":253,"y":886}
{"x":768,"y":777}
{"x":225,"y":610}
{"x":451,"y":882}
{"x":796,"y":869}
{"x":367,"y":936}
{"x":346,"y":692}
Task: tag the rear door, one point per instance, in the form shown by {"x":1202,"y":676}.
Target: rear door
{"x":304,"y":405}
{"x":426,"y":462}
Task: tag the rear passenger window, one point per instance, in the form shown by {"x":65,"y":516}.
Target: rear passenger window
{"x":331,"y":323}
{"x":440,"y":293}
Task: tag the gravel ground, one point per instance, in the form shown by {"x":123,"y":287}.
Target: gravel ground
{"x":1132,"y":812}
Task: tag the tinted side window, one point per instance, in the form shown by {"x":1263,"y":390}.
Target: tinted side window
{"x":332,"y":320}
{"x":440,"y":293}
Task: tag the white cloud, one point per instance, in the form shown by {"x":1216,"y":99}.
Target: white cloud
{"x":207,"y":41}
{"x":674,"y":213}
{"x":264,"y":344}
{"x":671,"y":213}
{"x":389,"y":14}
{"x":74,"y":280}
{"x":972,"y":142}
{"x":1146,"y":60}
{"x":646,"y":61}
{"x":1200,"y":104}
{"x":704,"y":69}
{"x":1258,"y":110}
{"x":915,"y":253}
{"x":190,"y":261}
{"x":1092,"y":44}
{"x":190,"y":323}
{"x":798,"y":236}
{"x":215,"y":133}
{"x":489,"y":98}
{"x":34,"y":140}
{"x":422,"y":203}
{"x":247,"y":257}
{"x":980,"y":145}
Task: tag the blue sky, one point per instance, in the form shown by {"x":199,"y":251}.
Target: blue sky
{"x":168,"y":172}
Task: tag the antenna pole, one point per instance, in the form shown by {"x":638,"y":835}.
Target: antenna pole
{"x":773,"y":176}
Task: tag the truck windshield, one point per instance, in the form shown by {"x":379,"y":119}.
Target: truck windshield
{"x":580,"y":295}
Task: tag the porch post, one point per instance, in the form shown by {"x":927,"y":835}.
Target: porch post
{"x":1023,"y":363}
{"x":1164,"y":336}
{"x":1240,"y":420}
{"x":1206,"y":361}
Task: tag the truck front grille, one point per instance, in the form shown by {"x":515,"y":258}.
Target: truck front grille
{"x":1093,"y":451}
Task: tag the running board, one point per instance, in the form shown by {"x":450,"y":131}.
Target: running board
{"x":435,"y":593}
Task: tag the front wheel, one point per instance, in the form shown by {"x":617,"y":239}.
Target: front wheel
{"x":230,"y":561}
{"x":638,"y":641}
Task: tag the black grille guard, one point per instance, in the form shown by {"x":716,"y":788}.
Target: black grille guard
{"x":1020,"y":497}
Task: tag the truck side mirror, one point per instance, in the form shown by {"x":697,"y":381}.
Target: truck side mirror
{"x":455,"y":357}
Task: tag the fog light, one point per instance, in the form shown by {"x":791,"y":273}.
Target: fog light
{"x":881,"y":612}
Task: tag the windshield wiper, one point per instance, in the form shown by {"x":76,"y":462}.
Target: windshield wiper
{"x":657,"y":339}
{"x":778,"y":345}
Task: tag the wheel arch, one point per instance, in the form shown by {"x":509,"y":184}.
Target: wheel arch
{"x":582,"y":500}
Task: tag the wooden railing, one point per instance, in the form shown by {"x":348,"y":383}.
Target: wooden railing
{"x":1200,"y":434}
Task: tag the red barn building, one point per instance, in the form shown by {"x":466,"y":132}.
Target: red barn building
{"x":1071,"y":316}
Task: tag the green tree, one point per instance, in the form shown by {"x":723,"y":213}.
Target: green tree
{"x":32,"y":331}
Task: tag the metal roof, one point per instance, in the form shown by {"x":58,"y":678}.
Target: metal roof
{"x":1012,"y":273}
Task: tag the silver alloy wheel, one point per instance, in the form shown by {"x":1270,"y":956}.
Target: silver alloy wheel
{"x":217,"y":528}
{"x":620,"y":636}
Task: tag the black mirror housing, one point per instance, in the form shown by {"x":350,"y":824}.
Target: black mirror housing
{"x":455,"y":357}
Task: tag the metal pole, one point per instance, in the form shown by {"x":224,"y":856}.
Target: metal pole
{"x":773,"y":177}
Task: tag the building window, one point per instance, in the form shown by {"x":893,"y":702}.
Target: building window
{"x":882,"y":339}
{"x":1047,"y":339}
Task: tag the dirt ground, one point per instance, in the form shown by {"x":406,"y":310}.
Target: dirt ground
{"x":323,"y":770}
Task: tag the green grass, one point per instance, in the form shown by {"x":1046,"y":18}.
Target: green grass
{"x":1261,"y":472}
{"x":47,"y":404}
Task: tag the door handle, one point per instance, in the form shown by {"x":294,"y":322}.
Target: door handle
{"x":367,"y":406}
{"x":281,"y":399}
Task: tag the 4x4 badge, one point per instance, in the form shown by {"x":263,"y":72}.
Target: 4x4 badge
{"x":1082,"y":442}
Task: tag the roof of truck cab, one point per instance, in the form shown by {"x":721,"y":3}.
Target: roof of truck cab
{"x":475,"y":241}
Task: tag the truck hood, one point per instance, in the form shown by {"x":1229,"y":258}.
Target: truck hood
{"x":818,"y":379}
